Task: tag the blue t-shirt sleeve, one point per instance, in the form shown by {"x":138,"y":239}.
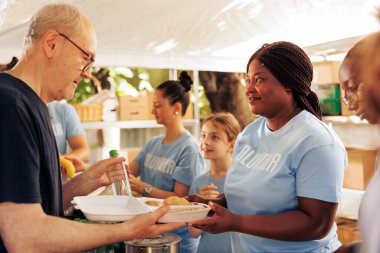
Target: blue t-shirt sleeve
{"x":72,"y":122}
{"x":188,"y":168}
{"x":322,"y":178}
{"x":140,"y":158}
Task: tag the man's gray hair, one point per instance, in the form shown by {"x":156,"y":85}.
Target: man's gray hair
{"x":63,"y":18}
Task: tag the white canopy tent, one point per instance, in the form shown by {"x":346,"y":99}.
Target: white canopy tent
{"x":215,"y":35}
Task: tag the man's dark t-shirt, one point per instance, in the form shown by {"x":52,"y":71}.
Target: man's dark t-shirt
{"x":29,"y":164}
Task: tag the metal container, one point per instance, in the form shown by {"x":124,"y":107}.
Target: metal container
{"x":166,"y":243}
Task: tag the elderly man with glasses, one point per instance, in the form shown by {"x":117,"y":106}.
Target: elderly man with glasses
{"x":58,"y":53}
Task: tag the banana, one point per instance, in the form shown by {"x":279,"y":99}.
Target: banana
{"x":68,"y":165}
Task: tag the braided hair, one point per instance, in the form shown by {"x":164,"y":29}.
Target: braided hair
{"x":293,"y":68}
{"x":177,"y":91}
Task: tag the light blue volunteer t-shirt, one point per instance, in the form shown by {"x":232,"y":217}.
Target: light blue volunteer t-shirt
{"x":65,"y":122}
{"x":304,"y":158}
{"x":163,"y":164}
{"x":220,"y":243}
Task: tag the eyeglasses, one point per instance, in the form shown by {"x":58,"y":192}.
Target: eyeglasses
{"x":351,"y":98}
{"x":90,"y":58}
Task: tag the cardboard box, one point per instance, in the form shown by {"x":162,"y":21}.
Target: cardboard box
{"x":133,"y":108}
{"x":189,"y":112}
{"x":150,"y":106}
{"x":360,"y":169}
{"x":326,"y":72}
{"x":348,"y":230}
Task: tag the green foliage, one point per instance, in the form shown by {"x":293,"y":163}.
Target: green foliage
{"x":203,"y":103}
{"x":128,"y":81}
{"x":84,"y":90}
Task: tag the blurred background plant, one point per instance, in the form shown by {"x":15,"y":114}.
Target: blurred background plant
{"x":129,"y":81}
{"x":85,"y":89}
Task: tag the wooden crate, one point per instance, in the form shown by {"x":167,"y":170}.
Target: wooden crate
{"x":348,"y":230}
{"x":133,"y":108}
{"x":89,"y":112}
{"x":360,"y":169}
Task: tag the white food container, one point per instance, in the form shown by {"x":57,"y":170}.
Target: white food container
{"x":196,"y":211}
{"x":109,"y":207}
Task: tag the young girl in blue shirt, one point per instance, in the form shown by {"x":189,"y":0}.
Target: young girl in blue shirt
{"x":217,"y":140}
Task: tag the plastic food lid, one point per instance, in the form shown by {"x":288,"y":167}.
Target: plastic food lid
{"x":162,"y":240}
{"x":114,"y":153}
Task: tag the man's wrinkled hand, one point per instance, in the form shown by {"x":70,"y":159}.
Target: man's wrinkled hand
{"x":147,"y":226}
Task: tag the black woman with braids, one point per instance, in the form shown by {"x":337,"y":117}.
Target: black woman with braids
{"x":285,"y":182}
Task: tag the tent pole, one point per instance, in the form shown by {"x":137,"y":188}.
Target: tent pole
{"x":173,"y":74}
{"x":196,"y":129}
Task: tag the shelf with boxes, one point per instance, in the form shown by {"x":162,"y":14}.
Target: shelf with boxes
{"x":354,"y":132}
{"x":114,"y":133}
{"x":131,"y":124}
{"x":140,"y":107}
{"x":127,"y":123}
{"x":361,"y":142}
{"x":135,"y":123}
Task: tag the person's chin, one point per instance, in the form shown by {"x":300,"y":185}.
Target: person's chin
{"x":206,"y":155}
{"x":255,"y":110}
{"x":69,"y":93}
{"x":252,"y":107}
{"x":69,"y":96}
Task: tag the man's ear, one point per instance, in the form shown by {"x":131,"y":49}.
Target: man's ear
{"x":49,"y":41}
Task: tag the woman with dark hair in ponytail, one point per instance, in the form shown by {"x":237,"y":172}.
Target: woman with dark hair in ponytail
{"x":169,"y":162}
{"x":284,"y":185}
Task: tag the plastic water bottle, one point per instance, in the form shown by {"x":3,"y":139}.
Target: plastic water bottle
{"x":121,"y":187}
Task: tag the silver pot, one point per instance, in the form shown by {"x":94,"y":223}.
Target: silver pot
{"x":166,"y":243}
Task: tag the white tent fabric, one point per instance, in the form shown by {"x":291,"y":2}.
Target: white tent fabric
{"x":215,"y":35}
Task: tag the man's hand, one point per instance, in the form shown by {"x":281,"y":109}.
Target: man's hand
{"x":102,"y":173}
{"x":145,"y":225}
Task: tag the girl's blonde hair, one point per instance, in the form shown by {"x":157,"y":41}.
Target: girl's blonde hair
{"x":227,"y":123}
